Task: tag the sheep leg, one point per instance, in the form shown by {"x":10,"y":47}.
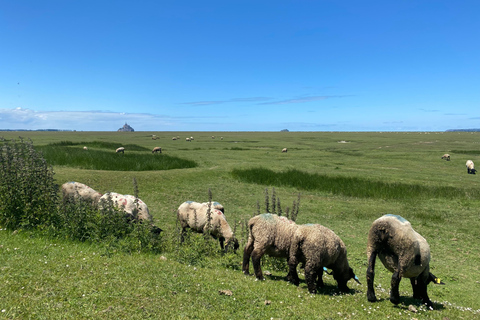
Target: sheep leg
{"x":370,"y":277}
{"x":247,"y":253}
{"x":292,"y":275}
{"x":320,"y":283}
{"x":415,"y":288}
{"x":256,"y":256}
{"x":394,"y":292}
{"x":310,"y":277}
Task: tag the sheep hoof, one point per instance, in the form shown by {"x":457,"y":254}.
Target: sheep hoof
{"x":395,"y":300}
{"x":371,"y":298}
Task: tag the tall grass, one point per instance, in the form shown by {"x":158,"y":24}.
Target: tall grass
{"x":351,"y":186}
{"x":62,"y":155}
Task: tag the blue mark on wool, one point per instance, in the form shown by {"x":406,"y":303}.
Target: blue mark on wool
{"x":189,"y":201}
{"x":216,"y":203}
{"x":267,"y":216}
{"x":399,"y":218}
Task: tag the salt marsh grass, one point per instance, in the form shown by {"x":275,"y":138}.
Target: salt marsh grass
{"x":346,"y":181}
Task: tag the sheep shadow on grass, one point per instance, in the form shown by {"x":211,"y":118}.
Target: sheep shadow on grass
{"x":405,"y":302}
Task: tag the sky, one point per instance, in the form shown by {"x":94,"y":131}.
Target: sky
{"x":229,"y":65}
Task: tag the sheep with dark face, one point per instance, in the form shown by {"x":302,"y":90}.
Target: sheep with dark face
{"x":470,"y":167}
{"x":157,"y":149}
{"x":269,"y":234}
{"x":318,"y":247}
{"x":194,"y":215}
{"x":402,"y":251}
{"x":446,"y":156}
{"x":284,"y":150}
{"x":120,"y":150}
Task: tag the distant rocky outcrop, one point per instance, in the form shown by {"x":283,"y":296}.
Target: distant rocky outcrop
{"x":284,"y":130}
{"x":126,"y":128}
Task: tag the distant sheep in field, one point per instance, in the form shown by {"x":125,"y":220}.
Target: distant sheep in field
{"x":213,"y":137}
{"x":85,"y":148}
{"x":191,"y":138}
{"x":403,"y":252}
{"x":284,"y":150}
{"x":470,"y":167}
{"x":193,"y":215}
{"x":157,"y":149}
{"x":446,"y":156}
{"x":127,"y":203}
{"x":154,"y":137}
{"x":221,"y":138}
{"x":318,"y":247}
{"x":187,"y":139}
{"x":269,"y":234}
{"x":77,"y":190}
{"x":174,"y":138}
{"x":120,"y":150}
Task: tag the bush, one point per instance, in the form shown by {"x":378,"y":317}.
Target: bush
{"x":28,"y":194}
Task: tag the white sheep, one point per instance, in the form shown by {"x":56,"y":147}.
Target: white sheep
{"x":133,"y":207}
{"x":85,"y":148}
{"x":193,"y":215}
{"x":77,"y":190}
{"x":174,"y":138}
{"x":121,"y":149}
{"x":403,"y":252}
{"x":187,"y":139}
{"x":446,"y":156}
{"x":191,"y":138}
{"x":269,"y":234}
{"x":157,"y":149}
{"x":284,"y":150}
{"x":470,"y":167}
{"x":318,"y":248}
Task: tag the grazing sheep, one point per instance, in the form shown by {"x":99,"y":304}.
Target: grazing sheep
{"x":85,"y":148}
{"x":446,"y":156}
{"x":121,"y":149}
{"x":284,"y":150}
{"x":213,"y":137}
{"x":191,"y":138}
{"x":193,"y":215}
{"x":318,"y":247}
{"x":187,"y":139}
{"x":174,"y":138}
{"x":470,"y":167}
{"x":127,"y":204}
{"x":157,"y":149}
{"x":221,"y":138}
{"x":215,"y":205}
{"x":402,"y":251}
{"x":77,"y":190}
{"x":269,"y":234}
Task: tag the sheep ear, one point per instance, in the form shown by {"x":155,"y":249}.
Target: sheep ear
{"x":435,"y":279}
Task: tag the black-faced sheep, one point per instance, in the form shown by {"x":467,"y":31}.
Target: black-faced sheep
{"x":269,"y":234}
{"x":402,"y":251}
{"x":187,"y":139}
{"x":318,"y":247}
{"x":284,"y":150}
{"x":77,"y":190}
{"x":121,"y":149}
{"x":194,"y":215}
{"x":446,"y":156}
{"x":157,"y":149}
{"x":470,"y":167}
{"x":133,"y":207}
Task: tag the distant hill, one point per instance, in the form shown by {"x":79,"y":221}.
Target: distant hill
{"x":463,"y":130}
{"x":126,"y":128}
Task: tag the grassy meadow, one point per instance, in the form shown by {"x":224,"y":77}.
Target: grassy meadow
{"x":346,"y":180}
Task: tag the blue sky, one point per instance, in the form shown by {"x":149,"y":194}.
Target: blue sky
{"x":240,"y":65}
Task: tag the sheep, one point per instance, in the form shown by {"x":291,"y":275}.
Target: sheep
{"x":174,"y":138}
{"x":121,"y":149}
{"x":128,"y":204}
{"x":318,"y":248}
{"x":269,"y":234}
{"x":470,"y":167}
{"x":193,"y":215}
{"x":187,"y":139}
{"x":191,"y":138}
{"x":157,"y":149}
{"x":446,"y":156}
{"x":284,"y":150}
{"x":85,"y":148}
{"x":77,"y":190}
{"x":403,"y":252}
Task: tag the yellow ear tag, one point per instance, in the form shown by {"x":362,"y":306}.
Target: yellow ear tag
{"x":437,"y":280}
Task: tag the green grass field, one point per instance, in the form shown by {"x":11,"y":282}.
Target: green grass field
{"x":346,"y":181}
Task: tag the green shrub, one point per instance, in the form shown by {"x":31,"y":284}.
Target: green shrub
{"x":28,"y":194}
